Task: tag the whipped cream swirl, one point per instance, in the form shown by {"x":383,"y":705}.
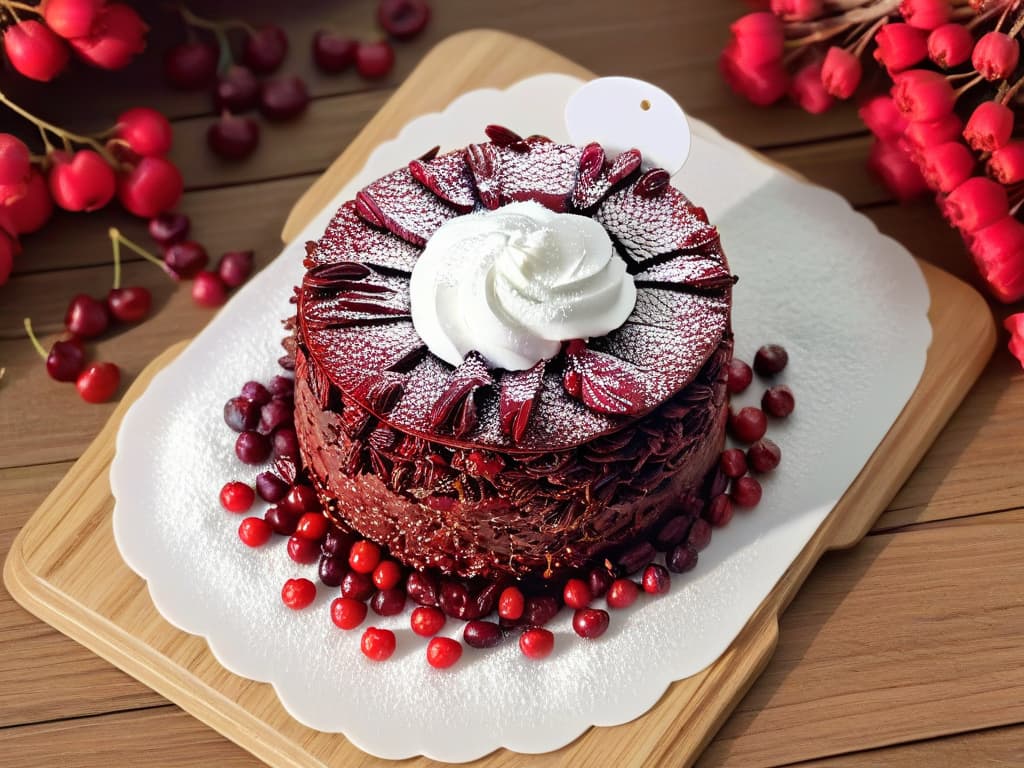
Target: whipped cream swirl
{"x":513,"y":283}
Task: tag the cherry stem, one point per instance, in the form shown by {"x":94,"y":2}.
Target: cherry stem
{"x":816,"y":31}
{"x":117,"y":240}
{"x":115,"y":245}
{"x":1011,"y":91}
{"x":65,"y":136}
{"x":869,"y":35}
{"x":964,"y":88}
{"x":33,"y":339}
{"x":218,"y":27}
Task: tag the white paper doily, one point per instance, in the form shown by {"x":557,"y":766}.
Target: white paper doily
{"x":849,"y":304}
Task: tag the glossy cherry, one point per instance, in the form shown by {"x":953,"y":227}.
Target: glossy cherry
{"x":576,"y":593}
{"x":191,"y":66}
{"x":252,"y":448}
{"x":333,"y":53}
{"x":82,"y":181}
{"x":147,"y":132}
{"x":312,"y":526}
{"x":98,"y":382}
{"x":70,"y":18}
{"x":347,"y":613}
{"x":739,"y":376}
{"x":746,"y":492}
{"x":427,"y":621}
{"x":35,"y":51}
{"x":86,"y":317}
{"x":303,"y":551}
{"x":536,"y":643}
{"x":29,"y":212}
{"x":387,"y":574}
{"x":117,"y":35}
{"x":443,"y":652}
{"x":590,"y":623}
{"x":130,"y":304}
{"x":169,"y":228}
{"x":770,"y":359}
{"x":375,"y":60}
{"x":482,"y":634}
{"x":283,"y":98}
{"x":656,"y":579}
{"x":254,"y":532}
{"x":185,"y":260}
{"x":622,"y":593}
{"x":265,"y":49}
{"x":151,"y":187}
{"x":65,"y":360}
{"x":511,"y":603}
{"x":748,"y":424}
{"x":237,"y":496}
{"x":235,"y":267}
{"x":237,"y":90}
{"x":208,"y":290}
{"x":364,"y":557}
{"x":298,"y":593}
{"x":233,"y":137}
{"x":778,"y":401}
{"x":403,"y":19}
{"x":377,"y":644}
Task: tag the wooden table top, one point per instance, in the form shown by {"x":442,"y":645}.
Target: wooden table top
{"x":905,"y":651}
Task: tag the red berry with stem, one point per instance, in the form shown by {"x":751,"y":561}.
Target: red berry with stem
{"x":950,"y":45}
{"x":312,"y":526}
{"x":86,"y":317}
{"x":576,"y":593}
{"x":403,"y":19}
{"x":387,"y":574}
{"x":778,"y":401}
{"x":265,"y":48}
{"x":740,"y":375}
{"x":758,"y":38}
{"x":377,"y":644}
{"x":900,"y":46}
{"x":511,"y":603}
{"x":233,"y":137}
{"x":131,"y":304}
{"x":237,"y":496}
{"x":81,"y":182}
{"x":65,"y":359}
{"x":590,"y":623}
{"x":536,"y":643}
{"x":15,"y":160}
{"x":117,"y":35}
{"x":921,"y":95}
{"x":746,"y":492}
{"x":841,"y":72}
{"x":364,"y":557}
{"x":443,"y":652}
{"x":146,"y":131}
{"x":208,"y":290}
{"x":35,"y":51}
{"x":748,"y":424}
{"x":926,"y":14}
{"x":98,"y":382}
{"x":254,"y":532}
{"x":996,"y":251}
{"x":237,"y":90}
{"x":298,"y":593}
{"x":70,"y":18}
{"x":185,"y":260}
{"x":975,"y":204}
{"x":947,"y":166}
{"x":347,"y":613}
{"x":622,"y":593}
{"x":333,"y":53}
{"x":989,"y":126}
{"x":151,"y":187}
{"x":995,"y":56}
{"x":169,"y":228}
{"x":235,"y":267}
{"x":427,"y":621}
{"x":34,"y":208}
{"x":303,"y":551}
{"x":191,"y":66}
{"x":764,"y":455}
{"x":375,"y":60}
{"x":1007,"y":164}
{"x":283,"y":98}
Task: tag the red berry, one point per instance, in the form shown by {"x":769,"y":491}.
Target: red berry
{"x":117,"y":34}
{"x":364,"y":556}
{"x":656,"y":580}
{"x":281,"y":520}
{"x":86,"y":317}
{"x":761,"y":83}
{"x":622,"y":593}
{"x":270,"y":487}
{"x":301,"y":499}
{"x":388,"y":602}
{"x":764,"y":455}
{"x":590,"y":623}
{"x":129,"y":305}
{"x":191,"y":66}
{"x":891,"y":164}
{"x":237,"y":497}
{"x":989,"y":126}
{"x":427,"y":621}
{"x":995,"y":55}
{"x":746,"y":492}
{"x":719,"y":511}
{"x":169,"y":228}
{"x":15,"y":161}
{"x":65,"y":360}
{"x":748,"y":424}
{"x":796,"y":10}
{"x":883,"y":118}
{"x":347,"y":613}
{"x":378,"y":644}
{"x":1015,"y":325}
{"x":374,"y":60}
{"x":283,"y":98}
{"x":98,"y":382}
{"x":185,"y":260}
{"x":358,"y":586}
{"x":235,"y":267}
{"x":151,"y":187}
{"x":511,"y":603}
{"x":921,"y":95}
{"x":926,"y":14}
{"x":950,"y":45}
{"x":536,"y":643}
{"x":29,"y":212}
{"x":237,"y":90}
{"x":35,"y":51}
{"x":233,"y":137}
{"x":297,"y":593}
{"x":303,"y":551}
{"x":70,"y":18}
{"x":81,"y":182}
{"x":920,"y":135}
{"x":841,"y":72}
{"x":481,"y":634}
{"x":758,"y":38}
{"x":147,"y":132}
{"x":443,"y":652}
{"x":996,"y":251}
{"x":807,"y":89}
{"x":576,"y":593}
{"x":265,"y":49}
{"x":387,"y":574}
{"x":681,"y":558}
{"x":312,"y":526}
{"x":254,"y":532}
{"x":1007,"y":164}
{"x":733,"y":463}
{"x":778,"y":401}
{"x":770,"y":359}
{"x":252,"y":448}
{"x":599,"y":580}
{"x":208,"y":290}
{"x":403,"y":19}
{"x":900,"y":46}
{"x":976,"y":204}
{"x":333,"y":53}
{"x":740,"y":376}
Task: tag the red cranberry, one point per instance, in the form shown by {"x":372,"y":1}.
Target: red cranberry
{"x":536,"y":643}
{"x":358,"y":586}
{"x":746,"y":492}
{"x":427,"y":621}
{"x":98,"y":382}
{"x":443,"y":652}
{"x":255,"y":392}
{"x":576,"y":593}
{"x":286,"y":442}
{"x":281,"y":520}
{"x":208,"y":290}
{"x":283,"y":98}
{"x":303,"y":551}
{"x":422,"y":588}
{"x":487,"y":598}
{"x":237,"y":497}
{"x":312,"y":526}
{"x":265,"y":49}
{"x":270,"y":487}
{"x":622,"y":593}
{"x":298,"y":593}
{"x":748,"y":424}
{"x":280,"y":386}
{"x":672,"y":532}
{"x":65,"y":360}
{"x":511,"y":603}
{"x":656,"y":580}
{"x":700,"y":534}
{"x":770,"y":359}
{"x":234,"y":268}
{"x":191,"y":66}
{"x":337,"y":543}
{"x":374,"y":60}
{"x":233,"y":137}
{"x":599,"y":580}
{"x":454,"y":600}
{"x":331,"y":570}
{"x":169,"y":228}
{"x":778,"y":401}
{"x":347,"y":613}
{"x":254,"y":532}
{"x":86,"y":317}
{"x":482,"y":634}
{"x":590,"y":623}
{"x":377,"y":644}
{"x":241,"y":414}
{"x":301,"y":499}
{"x":237,"y":90}
{"x":333,"y":53}
{"x":636,"y":557}
{"x":277,"y":413}
{"x":539,"y":610}
{"x":387,"y":574}
{"x":681,"y":558}
{"x":129,"y":305}
{"x":764,"y":455}
{"x":185,"y":260}
{"x":364,"y":557}
{"x":719,"y":511}
{"x":403,"y":19}
{"x":733,"y":463}
{"x":388,"y":602}
{"x":740,"y":376}
{"x":252,"y":448}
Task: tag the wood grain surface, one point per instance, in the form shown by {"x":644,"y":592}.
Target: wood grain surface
{"x":61,"y":705}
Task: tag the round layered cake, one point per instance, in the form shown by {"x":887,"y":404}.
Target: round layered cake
{"x":510,"y":359}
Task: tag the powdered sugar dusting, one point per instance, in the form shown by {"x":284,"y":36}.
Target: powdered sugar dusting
{"x":348,"y":238}
{"x":448,"y":177}
{"x":654,"y":226}
{"x":407,"y":208}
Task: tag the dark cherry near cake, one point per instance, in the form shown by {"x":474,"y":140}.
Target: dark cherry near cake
{"x":531,"y":474}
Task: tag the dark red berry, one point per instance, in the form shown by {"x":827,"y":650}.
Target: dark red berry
{"x":233,"y":137}
{"x":576,"y":593}
{"x":454,"y":600}
{"x":590,"y":623}
{"x":403,"y":19}
{"x":333,"y":53}
{"x":237,"y":90}
{"x":700,"y":534}
{"x":301,"y":499}
{"x":270,"y":487}
{"x":237,"y":496}
{"x":364,"y":556}
{"x":733,"y":463}
{"x":622,"y":593}
{"x":129,"y":305}
{"x":770,"y":359}
{"x":241,"y":414}
{"x":482,"y":634}
{"x":298,"y":593}
{"x":337,"y":543}
{"x":252,"y":448}
{"x":190,"y":66}
{"x":375,"y":60}
{"x":281,"y":520}
{"x":265,"y":49}
{"x":358,"y":586}
{"x":312,"y":526}
{"x":778,"y":401}
{"x":540,"y":609}
{"x":387,"y":574}
{"x":443,"y":652}
{"x":764,"y":455}
{"x":636,"y":557}
{"x":388,"y":602}
{"x":681,"y":558}
{"x":303,"y":551}
{"x":254,"y":532}
{"x":511,"y":603}
{"x":536,"y":643}
{"x":65,"y":360}
{"x":185,"y":260}
{"x":427,"y":621}
{"x":740,"y":376}
{"x":599,"y":580}
{"x":377,"y":644}
{"x":656,"y":580}
{"x":422,"y":588}
{"x":748,"y":424}
{"x":275,"y":414}
{"x":255,"y":392}
{"x":672,"y":532}
{"x":169,"y":228}
{"x":286,"y":442}
{"x":279,"y":386}
{"x":331,"y":570}
{"x":86,"y":317}
{"x":98,"y":382}
{"x":234,"y":268}
{"x":347,"y":613}
{"x":719,"y":511}
{"x":746,"y":492}
{"x":283,"y":98}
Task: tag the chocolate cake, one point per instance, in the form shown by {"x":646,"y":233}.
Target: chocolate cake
{"x":535,"y":469}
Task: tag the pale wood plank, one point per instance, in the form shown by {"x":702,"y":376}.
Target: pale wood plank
{"x":995,"y":748}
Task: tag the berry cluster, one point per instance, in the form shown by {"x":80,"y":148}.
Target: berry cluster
{"x":103,"y":35}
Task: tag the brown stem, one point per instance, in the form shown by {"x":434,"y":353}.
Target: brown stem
{"x":65,"y":136}
{"x":869,"y":35}
{"x":824,"y":29}
{"x":964,"y":88}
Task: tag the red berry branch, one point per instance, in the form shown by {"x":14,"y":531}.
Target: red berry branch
{"x":951,"y":122}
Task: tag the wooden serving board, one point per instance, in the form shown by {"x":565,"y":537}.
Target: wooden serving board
{"x":64,"y":565}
